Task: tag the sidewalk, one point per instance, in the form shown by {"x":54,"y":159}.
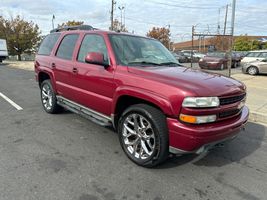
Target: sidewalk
{"x":256,"y":95}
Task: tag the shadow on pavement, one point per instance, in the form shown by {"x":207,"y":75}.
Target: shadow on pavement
{"x":244,"y":145}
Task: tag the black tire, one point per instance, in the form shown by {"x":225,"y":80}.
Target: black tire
{"x":252,"y":70}
{"x":157,"y":121}
{"x":53,"y":107}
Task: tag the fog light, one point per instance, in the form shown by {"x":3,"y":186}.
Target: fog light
{"x":197,"y":119}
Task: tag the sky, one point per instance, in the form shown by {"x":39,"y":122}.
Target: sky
{"x":142,"y":15}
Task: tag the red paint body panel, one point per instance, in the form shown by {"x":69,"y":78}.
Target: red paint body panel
{"x":99,"y":88}
{"x":191,"y":137}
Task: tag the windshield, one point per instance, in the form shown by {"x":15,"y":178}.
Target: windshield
{"x":134,"y":50}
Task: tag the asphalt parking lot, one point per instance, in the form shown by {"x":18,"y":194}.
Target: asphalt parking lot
{"x":65,"y":156}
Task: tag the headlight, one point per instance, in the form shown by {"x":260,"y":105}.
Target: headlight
{"x":200,"y":60}
{"x":201,"y":102}
{"x":197,"y":119}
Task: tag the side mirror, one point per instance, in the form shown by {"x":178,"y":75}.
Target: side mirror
{"x":96,"y":58}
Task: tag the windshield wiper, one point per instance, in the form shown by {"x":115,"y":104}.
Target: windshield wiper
{"x":144,"y":63}
{"x":170,"y":64}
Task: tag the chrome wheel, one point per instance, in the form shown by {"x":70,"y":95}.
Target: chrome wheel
{"x":138,"y":136}
{"x":47,"y":97}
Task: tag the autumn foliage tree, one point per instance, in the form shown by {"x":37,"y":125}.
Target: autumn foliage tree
{"x":21,"y":36}
{"x":71,"y":23}
{"x":161,"y":34}
{"x":117,"y":26}
{"x":221,"y":43}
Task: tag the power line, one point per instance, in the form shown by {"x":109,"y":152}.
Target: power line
{"x":180,"y":6}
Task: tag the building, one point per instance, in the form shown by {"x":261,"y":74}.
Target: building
{"x":206,"y":44}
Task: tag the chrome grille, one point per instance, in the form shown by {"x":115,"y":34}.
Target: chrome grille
{"x":233,"y":99}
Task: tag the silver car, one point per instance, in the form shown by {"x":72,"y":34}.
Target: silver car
{"x":255,"y":67}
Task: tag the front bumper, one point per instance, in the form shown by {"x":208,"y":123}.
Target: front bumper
{"x":185,"y":138}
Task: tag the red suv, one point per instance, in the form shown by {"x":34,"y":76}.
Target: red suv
{"x":136,"y":85}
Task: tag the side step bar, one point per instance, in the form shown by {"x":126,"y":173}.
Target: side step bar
{"x":88,"y":113}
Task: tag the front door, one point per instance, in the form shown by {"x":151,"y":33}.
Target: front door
{"x":94,"y":85}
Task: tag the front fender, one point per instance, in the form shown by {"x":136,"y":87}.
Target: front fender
{"x":162,"y":102}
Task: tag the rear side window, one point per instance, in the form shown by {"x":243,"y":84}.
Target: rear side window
{"x":48,"y":44}
{"x":263,"y":55}
{"x":253,"y":54}
{"x":66,"y":47}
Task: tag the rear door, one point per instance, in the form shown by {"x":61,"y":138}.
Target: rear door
{"x":263,"y":66}
{"x":93,"y":84}
{"x":63,"y":65}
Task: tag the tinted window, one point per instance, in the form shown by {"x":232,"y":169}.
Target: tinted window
{"x":92,"y":43}
{"x":133,"y":50}
{"x":253,"y":54}
{"x":67,"y":46}
{"x":263,"y":55}
{"x":48,"y":44}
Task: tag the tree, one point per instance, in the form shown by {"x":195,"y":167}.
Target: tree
{"x":221,"y":43}
{"x":71,"y":23}
{"x":21,"y":36}
{"x":118,"y":27}
{"x":161,"y":34}
{"x":244,"y":43}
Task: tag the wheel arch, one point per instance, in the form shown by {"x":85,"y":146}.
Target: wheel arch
{"x":124,"y":99}
{"x":44,"y":75}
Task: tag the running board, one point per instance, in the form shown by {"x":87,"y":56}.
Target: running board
{"x":88,"y":113}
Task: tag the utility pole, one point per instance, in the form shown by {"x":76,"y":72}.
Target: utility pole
{"x":124,"y":16}
{"x":218,"y":28}
{"x":232,"y":36}
{"x":53,"y":18}
{"x":192,"y":45}
{"x":121,"y":9}
{"x":169,"y":27}
{"x":225,"y":20}
{"x":112,"y":13}
{"x":224,"y":29}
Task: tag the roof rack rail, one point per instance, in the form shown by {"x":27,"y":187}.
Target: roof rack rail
{"x":69,"y":28}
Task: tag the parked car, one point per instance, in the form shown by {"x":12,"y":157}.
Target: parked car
{"x":135,"y":84}
{"x":214,"y":60}
{"x":180,"y":57}
{"x":199,"y":55}
{"x":3,"y":50}
{"x":255,"y":67}
{"x":188,"y":55}
{"x":218,"y":60}
{"x":236,"y":59}
{"x":254,"y":55}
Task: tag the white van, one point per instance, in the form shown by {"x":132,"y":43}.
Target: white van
{"x":254,"y":55}
{"x":3,"y":50}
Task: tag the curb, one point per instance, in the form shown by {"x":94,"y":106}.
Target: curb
{"x":258,"y":117}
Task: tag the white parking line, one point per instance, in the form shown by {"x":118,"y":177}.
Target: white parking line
{"x":10,"y":101}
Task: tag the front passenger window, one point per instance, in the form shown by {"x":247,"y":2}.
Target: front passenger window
{"x":92,"y":43}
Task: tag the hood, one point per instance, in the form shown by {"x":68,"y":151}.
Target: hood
{"x":255,"y":62}
{"x":213,"y":59}
{"x":189,"y":80}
